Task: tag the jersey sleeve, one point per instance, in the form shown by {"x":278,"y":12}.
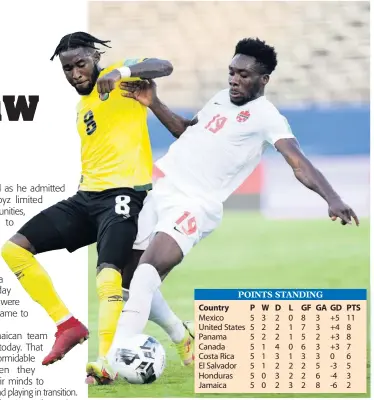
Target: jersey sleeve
{"x":277,"y":128}
{"x":127,"y":63}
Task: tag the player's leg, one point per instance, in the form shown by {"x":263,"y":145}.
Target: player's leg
{"x":36,"y":236}
{"x":47,"y":231}
{"x":162,"y":252}
{"x":114,"y":249}
{"x":158,"y":260}
{"x":117,"y":214}
{"x":160,"y":312}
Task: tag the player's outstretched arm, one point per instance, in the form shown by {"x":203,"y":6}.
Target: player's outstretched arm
{"x":146,"y":94}
{"x":150,"y":68}
{"x":313,"y":179}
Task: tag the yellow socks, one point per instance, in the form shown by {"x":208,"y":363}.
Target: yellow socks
{"x":39,"y":286}
{"x":34,"y":280}
{"x":109,"y":290}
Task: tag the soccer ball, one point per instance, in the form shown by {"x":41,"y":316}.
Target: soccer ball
{"x":140,"y":361}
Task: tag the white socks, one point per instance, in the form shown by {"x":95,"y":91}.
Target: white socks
{"x":162,"y":315}
{"x":145,"y":302}
{"x":143,"y":286}
{"x":135,"y":313}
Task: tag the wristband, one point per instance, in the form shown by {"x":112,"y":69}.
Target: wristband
{"x":125,"y":72}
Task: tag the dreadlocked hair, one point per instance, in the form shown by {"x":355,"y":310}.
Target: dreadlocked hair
{"x":78,"y":39}
{"x":265,"y":55}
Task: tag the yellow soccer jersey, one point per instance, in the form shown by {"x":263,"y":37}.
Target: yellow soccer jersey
{"x":115,"y":145}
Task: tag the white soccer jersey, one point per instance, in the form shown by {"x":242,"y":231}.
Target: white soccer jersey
{"x":214,"y":157}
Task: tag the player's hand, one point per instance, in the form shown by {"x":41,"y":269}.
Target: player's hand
{"x":145,"y":92}
{"x":338,"y":209}
{"x":107,"y":83}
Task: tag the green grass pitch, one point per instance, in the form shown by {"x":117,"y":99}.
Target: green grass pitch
{"x":252,"y":252}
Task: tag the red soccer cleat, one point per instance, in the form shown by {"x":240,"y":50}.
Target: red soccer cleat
{"x":68,"y":335}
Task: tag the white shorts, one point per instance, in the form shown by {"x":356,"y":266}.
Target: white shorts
{"x":185,"y":218}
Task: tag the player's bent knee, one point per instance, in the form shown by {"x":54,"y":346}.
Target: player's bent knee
{"x":6,"y":252}
{"x":15,"y":256}
{"x":101,"y":266}
{"x":164,"y":253}
{"x":109,"y":284}
{"x":21,"y":241}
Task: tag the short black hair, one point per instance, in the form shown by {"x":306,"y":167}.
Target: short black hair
{"x":78,"y":39}
{"x":265,"y":55}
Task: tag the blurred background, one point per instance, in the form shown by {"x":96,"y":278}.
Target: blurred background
{"x":275,"y":232}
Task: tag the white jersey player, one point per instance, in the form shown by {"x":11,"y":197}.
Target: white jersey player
{"x":215,"y":152}
{"x":207,"y":164}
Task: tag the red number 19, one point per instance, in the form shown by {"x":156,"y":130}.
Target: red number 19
{"x":191,"y":223}
{"x":216,"y":124}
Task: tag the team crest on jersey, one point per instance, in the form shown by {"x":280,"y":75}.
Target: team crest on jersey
{"x":104,"y":96}
{"x":243,"y":116}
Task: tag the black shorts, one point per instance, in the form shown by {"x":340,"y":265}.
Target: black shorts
{"x":109,"y":218}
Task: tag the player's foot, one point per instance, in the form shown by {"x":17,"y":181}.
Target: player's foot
{"x":190,"y":327}
{"x":100,"y":373}
{"x":68,"y":335}
{"x":185,"y":347}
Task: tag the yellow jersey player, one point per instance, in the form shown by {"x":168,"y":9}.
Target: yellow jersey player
{"x":116,"y":174}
